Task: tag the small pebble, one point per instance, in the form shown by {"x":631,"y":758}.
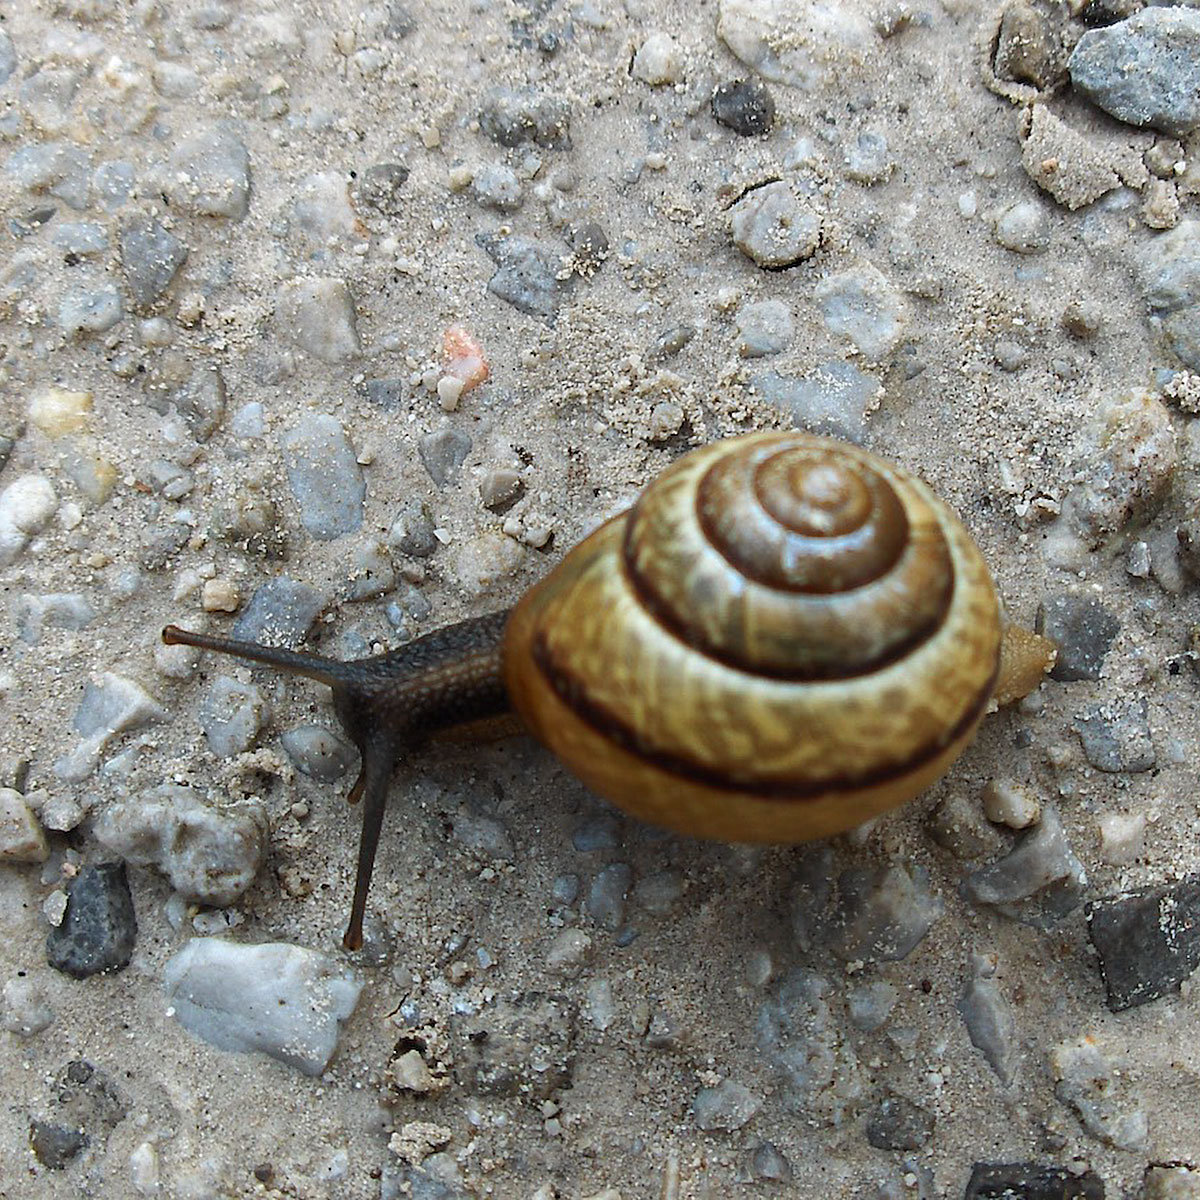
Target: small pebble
{"x":1024,"y":227}
{"x":1122,"y":837}
{"x":58,"y":411}
{"x":1100,"y":1096}
{"x":606,"y":898}
{"x":150,"y":259}
{"x":317,"y":752}
{"x":658,"y":61}
{"x":324,"y":476}
{"x":1148,"y":941}
{"x":412,"y":529}
{"x":514,"y":116}
{"x":745,"y":106}
{"x":957,"y":825}
{"x":280,"y":613}
{"x":500,"y":489}
{"x":99,"y":928}
{"x":775,"y":227}
{"x":26,"y":1011}
{"x":1170,"y":1183}
{"x":898,"y":1123}
{"x":1083,"y":629}
{"x":370,"y":572}
{"x":768,"y":1162}
{"x":317,"y":316}
{"x":726,"y":1107}
{"x":279,"y":999}
{"x":1042,"y":857}
{"x":1116,"y":736}
{"x":57,"y":610}
{"x":220,"y":595}
{"x":482,"y":835}
{"x":864,"y":306}
{"x":107,"y":709}
{"x":1169,"y":272}
{"x":526,"y":274}
{"x":208,"y":174}
{"x":569,"y":950}
{"x":22,"y":839}
{"x":764,"y":327}
{"x":990,"y":1024}
{"x":443,"y":453}
{"x":882,"y":914}
{"x":869,"y":1005}
{"x":94,"y":311}
{"x":56,"y":1146}
{"x":833,"y":398}
{"x":382,"y":188}
{"x":1025,"y":50}
{"x":869,"y":161}
{"x":210,"y":854}
{"x":1006,"y":802}
{"x":232,"y":715}
{"x":496,"y":186}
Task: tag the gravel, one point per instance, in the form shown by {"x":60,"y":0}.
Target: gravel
{"x":98,"y":929}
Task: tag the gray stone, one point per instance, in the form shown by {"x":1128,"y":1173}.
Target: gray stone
{"x":113,"y":184}
{"x":54,"y":610}
{"x":26,"y":506}
{"x":8,"y":57}
{"x":1082,"y":628}
{"x":443,"y":452}
{"x":1042,"y":857}
{"x":482,"y":835}
{"x":745,"y":106}
{"x":497,"y":186}
{"x":198,"y":394}
{"x":1169,"y":271}
{"x":56,"y":1146}
{"x":210,"y":854}
{"x":79,"y":239}
{"x":94,"y":311}
{"x":26,"y":1011}
{"x":150,"y":258}
{"x":381,"y":188}
{"x":317,"y":752}
{"x":107,"y":709}
{"x":1116,"y":736}
{"x":208,"y":174}
{"x":726,"y":1107}
{"x":511,"y":117}
{"x":1024,"y":227}
{"x":764,"y":327}
{"x":99,"y":928}
{"x":869,"y":1005}
{"x":280,"y":613}
{"x":232,"y":716}
{"x":768,"y":1162}
{"x":1099,"y":1095}
{"x":324,"y":475}
{"x":370,"y":572}
{"x":1025,"y":47}
{"x":412,"y":530}
{"x":864,"y":306}
{"x":898,"y":1123}
{"x":1148,"y":941}
{"x":832,"y":399}
{"x":278,"y":999}
{"x":775,"y":227}
{"x":607,"y":896}
{"x":868,"y":160}
{"x":317,"y":316}
{"x":1145,"y":70}
{"x":882,"y":913}
{"x":526,"y":274}
{"x":990,"y":1024}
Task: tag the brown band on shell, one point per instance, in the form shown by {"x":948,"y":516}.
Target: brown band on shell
{"x":574,"y":694}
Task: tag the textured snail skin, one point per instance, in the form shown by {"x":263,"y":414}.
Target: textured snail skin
{"x":784,"y":710}
{"x":784,"y":637}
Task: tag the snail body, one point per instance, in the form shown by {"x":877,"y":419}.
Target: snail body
{"x":784,"y":637}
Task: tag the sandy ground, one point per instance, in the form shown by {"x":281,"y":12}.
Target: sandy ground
{"x":643,"y":1016}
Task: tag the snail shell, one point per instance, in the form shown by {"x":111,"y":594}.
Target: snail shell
{"x":784,"y":637}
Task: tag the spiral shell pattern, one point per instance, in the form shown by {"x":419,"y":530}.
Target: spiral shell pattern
{"x":784,"y":636}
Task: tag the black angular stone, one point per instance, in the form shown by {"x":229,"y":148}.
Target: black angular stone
{"x":899,"y":1123}
{"x":1148,"y":941}
{"x":54,"y":1146}
{"x":1031,"y":1181}
{"x":99,"y":928}
{"x":744,"y":106}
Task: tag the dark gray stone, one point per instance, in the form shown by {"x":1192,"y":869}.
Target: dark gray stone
{"x":1116,"y":736}
{"x":1031,"y":1181}
{"x":744,"y":106}
{"x":882,"y":914}
{"x":281,"y":612}
{"x":381,"y":188}
{"x":55,"y":1146}
{"x":1083,"y":630}
{"x":511,"y":117}
{"x":1148,"y":941}
{"x":898,"y":1123}
{"x":99,"y":927}
{"x":526,"y":275}
{"x":150,"y":258}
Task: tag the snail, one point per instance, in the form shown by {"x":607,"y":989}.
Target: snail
{"x":783,"y":637}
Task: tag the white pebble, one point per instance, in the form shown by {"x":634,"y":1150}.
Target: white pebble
{"x":1122,"y":837}
{"x":658,"y":61}
{"x":26,"y":506}
{"x":21,"y":837}
{"x":1006,"y":802}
